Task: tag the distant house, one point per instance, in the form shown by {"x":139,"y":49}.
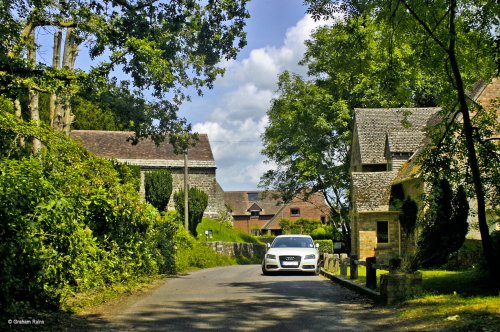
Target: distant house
{"x":257,"y":213}
{"x":149,"y":156}
{"x":383,"y":140}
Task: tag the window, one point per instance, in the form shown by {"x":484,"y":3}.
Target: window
{"x":295,"y":212}
{"x":255,"y":213}
{"x":253,"y":197}
{"x":323,"y":220}
{"x":382,"y":232}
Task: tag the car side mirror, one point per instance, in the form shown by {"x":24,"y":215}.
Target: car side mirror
{"x":317,"y":245}
{"x":268,"y":245}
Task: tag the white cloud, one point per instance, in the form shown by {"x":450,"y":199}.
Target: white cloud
{"x":238,"y":118}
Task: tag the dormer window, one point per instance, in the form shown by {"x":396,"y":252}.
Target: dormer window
{"x":295,"y":212}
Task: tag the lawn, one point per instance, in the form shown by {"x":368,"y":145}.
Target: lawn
{"x":454,"y":301}
{"x":451,"y":301}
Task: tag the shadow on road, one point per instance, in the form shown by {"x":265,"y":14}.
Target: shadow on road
{"x":267,"y":305}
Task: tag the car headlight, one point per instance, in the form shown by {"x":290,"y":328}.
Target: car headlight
{"x":310,"y":256}
{"x":269,"y":256}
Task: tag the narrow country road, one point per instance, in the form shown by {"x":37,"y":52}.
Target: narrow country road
{"x":240,"y":298}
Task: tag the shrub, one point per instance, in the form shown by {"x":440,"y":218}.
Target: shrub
{"x":445,"y":226}
{"x":128,"y":173}
{"x":304,"y":226}
{"x":192,"y":254}
{"x":69,"y":222}
{"x":197,"y":203}
{"x":470,"y":255}
{"x":158,"y":188}
{"x":325,"y":246}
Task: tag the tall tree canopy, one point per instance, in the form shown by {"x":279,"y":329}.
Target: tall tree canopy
{"x":352,"y":63}
{"x":164,"y":47}
{"x":458,"y":44}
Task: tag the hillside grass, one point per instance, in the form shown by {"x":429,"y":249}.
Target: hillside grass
{"x":224,"y":232}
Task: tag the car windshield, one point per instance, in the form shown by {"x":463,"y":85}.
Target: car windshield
{"x":293,"y":242}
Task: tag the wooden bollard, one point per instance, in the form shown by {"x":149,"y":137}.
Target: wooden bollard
{"x":354,"y":266}
{"x":371,"y":272}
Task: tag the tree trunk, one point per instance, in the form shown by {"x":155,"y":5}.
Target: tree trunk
{"x":18,"y":113}
{"x":69,"y":57}
{"x":488,"y":252}
{"x":55,"y":118}
{"x":32,"y":94}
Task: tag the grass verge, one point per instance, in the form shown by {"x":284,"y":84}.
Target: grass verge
{"x":454,"y":301}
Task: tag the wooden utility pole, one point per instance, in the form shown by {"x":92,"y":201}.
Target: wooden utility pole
{"x":186,"y":194}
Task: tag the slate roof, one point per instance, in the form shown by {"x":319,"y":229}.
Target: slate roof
{"x":114,"y":144}
{"x":239,"y":204}
{"x":374,"y":125}
{"x":404,"y":141}
{"x":372,"y":190}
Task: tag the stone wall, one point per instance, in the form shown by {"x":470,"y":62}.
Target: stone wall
{"x":251,"y":251}
{"x":204,"y":179}
{"x":366,"y":228}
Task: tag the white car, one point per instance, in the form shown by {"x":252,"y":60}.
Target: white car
{"x":291,"y":253}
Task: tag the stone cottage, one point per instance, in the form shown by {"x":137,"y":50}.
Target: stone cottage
{"x":383,"y":140}
{"x":260,"y":213}
{"x":149,"y":156}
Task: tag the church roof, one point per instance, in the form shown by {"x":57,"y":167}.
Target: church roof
{"x":115,"y":145}
{"x":375,"y":125}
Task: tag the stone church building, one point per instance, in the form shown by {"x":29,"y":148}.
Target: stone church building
{"x":149,"y":156}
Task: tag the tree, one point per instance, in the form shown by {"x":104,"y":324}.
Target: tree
{"x":457,"y":40}
{"x":198,"y":202}
{"x":158,"y":188}
{"x":408,"y":222}
{"x":307,"y":139}
{"x":308,"y":136}
{"x":444,"y":226}
{"x":164,"y":46}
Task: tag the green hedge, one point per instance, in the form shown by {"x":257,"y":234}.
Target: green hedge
{"x":69,"y":222}
{"x":325,"y":246}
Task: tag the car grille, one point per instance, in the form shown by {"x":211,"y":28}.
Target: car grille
{"x":289,"y":261}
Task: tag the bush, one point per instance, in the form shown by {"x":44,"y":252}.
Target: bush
{"x":197,"y":202}
{"x":192,"y":254}
{"x":69,"y":222}
{"x":158,"y":188}
{"x":470,"y":255}
{"x":325,"y":246}
{"x":128,"y":173}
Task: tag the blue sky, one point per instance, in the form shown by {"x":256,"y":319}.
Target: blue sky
{"x":233,"y":113}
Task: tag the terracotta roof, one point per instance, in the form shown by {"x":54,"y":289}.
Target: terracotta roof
{"x":374,"y":124}
{"x":114,"y":144}
{"x":239,"y":203}
{"x":274,"y":223}
{"x":372,"y":190}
